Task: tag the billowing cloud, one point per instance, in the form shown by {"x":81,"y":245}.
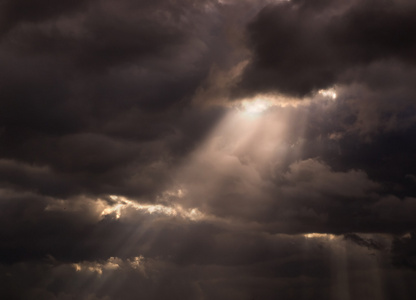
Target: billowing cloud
{"x":303,"y":46}
{"x":214,"y":149}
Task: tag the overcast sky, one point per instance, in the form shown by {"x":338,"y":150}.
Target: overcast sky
{"x":207,"y":149}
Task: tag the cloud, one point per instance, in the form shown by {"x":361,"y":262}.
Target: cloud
{"x":297,"y":262}
{"x":370,"y":244}
{"x":403,"y":251}
{"x":300,"y":47}
{"x":207,"y":149}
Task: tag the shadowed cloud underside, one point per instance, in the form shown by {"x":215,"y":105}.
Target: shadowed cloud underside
{"x":252,"y":149}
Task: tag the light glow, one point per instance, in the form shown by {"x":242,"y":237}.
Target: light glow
{"x":319,"y":235}
{"x":255,"y":107}
{"x":123,"y":204}
{"x":113,"y":263}
{"x":330,"y":93}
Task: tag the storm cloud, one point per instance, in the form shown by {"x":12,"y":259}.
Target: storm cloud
{"x":302,"y":46}
{"x":207,"y":149}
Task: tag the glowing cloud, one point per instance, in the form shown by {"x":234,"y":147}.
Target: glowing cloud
{"x":123,"y":204}
{"x":256,"y":106}
{"x":330,"y":93}
{"x":319,"y":235}
{"x":113,"y":263}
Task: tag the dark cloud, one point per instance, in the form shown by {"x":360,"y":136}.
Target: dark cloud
{"x":137,"y":276}
{"x":15,"y":12}
{"x":404,"y":251}
{"x":99,"y":90}
{"x":126,"y":172}
{"x":369,"y":243}
{"x":301,"y":46}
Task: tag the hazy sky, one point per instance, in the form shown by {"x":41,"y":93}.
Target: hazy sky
{"x":207,"y":149}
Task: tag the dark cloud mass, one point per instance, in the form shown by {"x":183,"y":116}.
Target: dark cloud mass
{"x":303,"y":46}
{"x":210,"y":149}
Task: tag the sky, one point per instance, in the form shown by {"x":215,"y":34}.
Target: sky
{"x":207,"y":149}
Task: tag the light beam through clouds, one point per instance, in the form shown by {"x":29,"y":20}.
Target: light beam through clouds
{"x":211,"y":149}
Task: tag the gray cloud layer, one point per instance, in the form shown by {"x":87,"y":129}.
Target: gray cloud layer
{"x":131,"y":166}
